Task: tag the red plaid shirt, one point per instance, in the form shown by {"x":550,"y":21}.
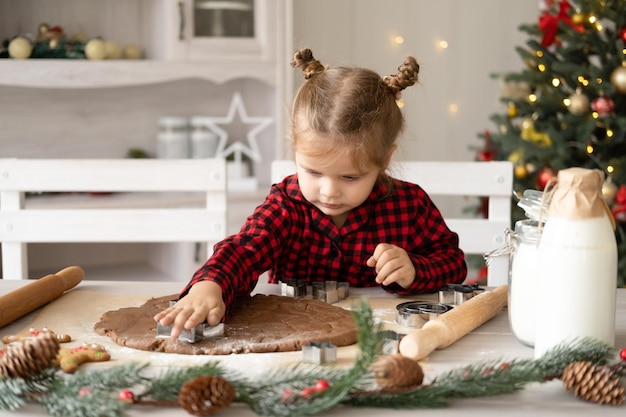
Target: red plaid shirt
{"x":292,"y":239}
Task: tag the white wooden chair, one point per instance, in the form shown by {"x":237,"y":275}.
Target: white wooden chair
{"x":151,"y":200}
{"x":466,"y":179}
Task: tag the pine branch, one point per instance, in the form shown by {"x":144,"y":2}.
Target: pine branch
{"x":14,"y":392}
{"x":166,"y":386}
{"x":272,"y":401}
{"x":92,"y":394}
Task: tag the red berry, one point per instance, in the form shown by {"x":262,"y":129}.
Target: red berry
{"x":126,"y":396}
{"x":321,"y":385}
{"x":288,"y":396}
{"x":622,"y":354}
{"x":307,"y":392}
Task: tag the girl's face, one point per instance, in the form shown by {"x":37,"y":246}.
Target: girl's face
{"x":337,"y":188}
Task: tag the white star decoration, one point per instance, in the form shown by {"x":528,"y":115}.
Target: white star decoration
{"x":251,"y":150}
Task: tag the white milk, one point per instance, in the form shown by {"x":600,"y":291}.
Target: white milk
{"x":577,"y":282}
{"x":522,"y":304}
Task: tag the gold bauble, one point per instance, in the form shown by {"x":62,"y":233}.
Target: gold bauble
{"x":609,"y":191}
{"x":511,"y":109}
{"x":579,"y":18}
{"x":43,"y":31}
{"x":520,"y":171}
{"x":132,"y":51}
{"x":618,"y":79}
{"x":95,"y":49}
{"x":112,"y":50}
{"x":579,"y":104}
{"x":516,"y":156}
{"x":20,"y":48}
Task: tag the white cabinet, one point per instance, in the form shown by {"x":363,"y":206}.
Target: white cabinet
{"x":207,"y":30}
{"x":123,"y":99}
{"x":177,"y":37}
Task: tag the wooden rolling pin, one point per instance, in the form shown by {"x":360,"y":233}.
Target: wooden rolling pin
{"x":454,"y":324}
{"x":34,"y":295}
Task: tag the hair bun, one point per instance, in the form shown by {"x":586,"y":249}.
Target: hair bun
{"x":304,"y":60}
{"x":406,"y":76}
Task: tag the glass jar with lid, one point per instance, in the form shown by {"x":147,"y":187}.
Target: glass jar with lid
{"x":173,"y":137}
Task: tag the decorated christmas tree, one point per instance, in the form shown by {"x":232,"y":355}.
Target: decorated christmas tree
{"x":567,"y":106}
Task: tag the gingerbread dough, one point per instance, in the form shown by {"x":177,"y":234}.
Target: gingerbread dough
{"x":264,"y":323}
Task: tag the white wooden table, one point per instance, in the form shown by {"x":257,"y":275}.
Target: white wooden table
{"x":493,"y":340}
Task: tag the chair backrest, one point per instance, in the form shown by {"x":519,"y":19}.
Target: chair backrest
{"x":123,"y":222}
{"x":493,"y":180}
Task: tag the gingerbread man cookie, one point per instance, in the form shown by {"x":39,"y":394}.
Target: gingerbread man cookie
{"x":70,"y":359}
{"x":32,"y":332}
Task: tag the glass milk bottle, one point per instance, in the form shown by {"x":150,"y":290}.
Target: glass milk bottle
{"x":577,"y":264}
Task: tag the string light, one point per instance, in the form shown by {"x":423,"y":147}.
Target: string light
{"x":556,"y":82}
{"x":443,"y":44}
{"x":532,"y":97}
{"x":398,"y":39}
{"x":541,"y":67}
{"x":590,"y":149}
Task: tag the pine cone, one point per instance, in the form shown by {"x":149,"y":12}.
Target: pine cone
{"x":598,"y":384}
{"x":29,"y":357}
{"x":206,"y":395}
{"x":397,"y":371}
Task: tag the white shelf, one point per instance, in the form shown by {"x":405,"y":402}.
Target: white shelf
{"x":57,"y":73}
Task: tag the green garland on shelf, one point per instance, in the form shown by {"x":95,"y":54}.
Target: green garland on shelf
{"x":97,"y":393}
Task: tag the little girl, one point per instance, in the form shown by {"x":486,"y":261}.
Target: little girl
{"x":341,"y":217}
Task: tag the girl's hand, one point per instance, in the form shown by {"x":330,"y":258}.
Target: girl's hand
{"x":202,"y":302}
{"x":392,"y":264}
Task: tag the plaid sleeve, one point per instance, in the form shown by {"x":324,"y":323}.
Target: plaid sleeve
{"x":238,"y":260}
{"x":432,"y":246}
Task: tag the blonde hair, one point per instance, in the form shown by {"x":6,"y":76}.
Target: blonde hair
{"x":348,"y":110}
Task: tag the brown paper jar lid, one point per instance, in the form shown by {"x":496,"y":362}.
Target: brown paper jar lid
{"x":578,"y":194}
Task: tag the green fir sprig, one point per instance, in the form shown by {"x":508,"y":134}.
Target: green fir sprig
{"x":281,"y":392}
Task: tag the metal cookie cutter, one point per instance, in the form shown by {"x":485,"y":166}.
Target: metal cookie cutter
{"x":293,"y":288}
{"x":200,"y":332}
{"x":319,"y":352}
{"x":457,"y":294}
{"x":416,"y":313}
{"x":330,"y":291}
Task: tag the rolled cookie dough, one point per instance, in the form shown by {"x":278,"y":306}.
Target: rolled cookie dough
{"x":264,"y":323}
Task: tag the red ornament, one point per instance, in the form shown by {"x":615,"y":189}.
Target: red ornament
{"x":321,"y":385}
{"x":604,"y":106}
{"x":485,"y":155}
{"x":622,"y":354}
{"x":126,"y":396}
{"x":544,"y":175}
{"x":488,"y":152}
{"x":622,"y":34}
{"x":549,"y":24}
{"x":307,"y":392}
